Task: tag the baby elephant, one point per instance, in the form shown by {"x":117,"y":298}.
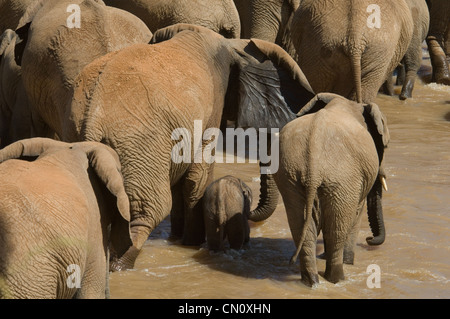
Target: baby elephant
{"x":226,"y":206}
{"x":330,"y":160}
{"x":58,"y":214}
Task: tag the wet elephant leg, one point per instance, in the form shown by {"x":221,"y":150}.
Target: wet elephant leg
{"x":294,"y":202}
{"x":439,"y":63}
{"x":412,"y":62}
{"x":177,"y":212}
{"x":349,"y":247}
{"x":338,"y":231}
{"x":146,"y":215}
{"x":197,"y":178}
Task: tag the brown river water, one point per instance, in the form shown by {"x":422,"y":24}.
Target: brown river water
{"x":414,"y":261}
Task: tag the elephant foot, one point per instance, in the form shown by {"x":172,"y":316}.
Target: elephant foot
{"x":334,"y":273}
{"x":309,"y":279}
{"x":405,"y":95}
{"x":443,"y":80}
{"x":126,"y":261}
{"x":407,"y":89}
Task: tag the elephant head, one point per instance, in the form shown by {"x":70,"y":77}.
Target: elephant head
{"x":103,"y":161}
{"x":266,"y":89}
{"x":376,"y":124}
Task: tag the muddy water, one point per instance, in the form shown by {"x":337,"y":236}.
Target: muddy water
{"x":414,"y":262}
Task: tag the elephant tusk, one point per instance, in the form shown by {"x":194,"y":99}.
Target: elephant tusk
{"x":383,"y":182}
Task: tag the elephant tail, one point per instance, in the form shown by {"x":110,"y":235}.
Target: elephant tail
{"x":310,"y":196}
{"x":356,"y":69}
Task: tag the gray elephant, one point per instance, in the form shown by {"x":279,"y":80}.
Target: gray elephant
{"x":265,"y":20}
{"x":17,"y":118}
{"x":438,"y":40}
{"x":350,"y":49}
{"x":330,"y":160}
{"x":58,"y":214}
{"x":54,"y":48}
{"x":11,"y":11}
{"x":140,"y":99}
{"x":220,"y":16}
{"x":226,"y":207}
{"x":411,"y":62}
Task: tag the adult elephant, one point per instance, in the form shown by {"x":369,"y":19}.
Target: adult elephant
{"x":438,"y":40}
{"x":412,"y":60}
{"x":11,"y":11}
{"x":350,"y":47}
{"x":140,"y":99}
{"x":58,"y":215}
{"x":54,"y":49}
{"x":326,"y":175}
{"x":18,"y":120}
{"x":265,"y":19}
{"x":220,"y":16}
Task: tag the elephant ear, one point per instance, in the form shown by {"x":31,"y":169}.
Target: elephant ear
{"x":5,"y":40}
{"x":266,"y":85}
{"x":318,"y":102}
{"x":377,"y":127}
{"x":169,"y":32}
{"x":105,"y":162}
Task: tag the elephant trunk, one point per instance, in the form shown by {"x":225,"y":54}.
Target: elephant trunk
{"x":268,"y":199}
{"x":375,"y":213}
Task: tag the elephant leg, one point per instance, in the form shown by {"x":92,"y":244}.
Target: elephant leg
{"x":214,"y":235}
{"x":388,"y":86}
{"x":146,"y":215}
{"x":235,"y":231}
{"x":177,"y":212}
{"x":401,"y":74}
{"x":412,"y":61}
{"x":337,"y":225}
{"x":295,"y":204}
{"x":196,"y":179}
{"x":349,"y":247}
{"x":439,"y":63}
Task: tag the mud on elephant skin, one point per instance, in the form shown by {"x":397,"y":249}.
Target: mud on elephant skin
{"x":18,"y":120}
{"x":265,"y":19}
{"x":226,"y":207}
{"x":188,"y":73}
{"x":325,"y":178}
{"x":341,"y":53}
{"x":51,"y":54}
{"x":61,"y":206}
{"x":411,"y":62}
{"x":220,"y":16}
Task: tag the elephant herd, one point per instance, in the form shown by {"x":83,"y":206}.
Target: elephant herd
{"x":91,"y":93}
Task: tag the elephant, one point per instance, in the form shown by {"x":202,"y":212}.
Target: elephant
{"x":350,"y":48}
{"x":11,"y":11}
{"x":412,"y":60}
{"x":62,"y":206}
{"x":220,"y":16}
{"x":438,"y":40}
{"x":265,"y":20}
{"x":54,"y":49}
{"x":330,"y":159}
{"x":137,"y":100}
{"x":17,"y":118}
{"x":226,"y":206}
